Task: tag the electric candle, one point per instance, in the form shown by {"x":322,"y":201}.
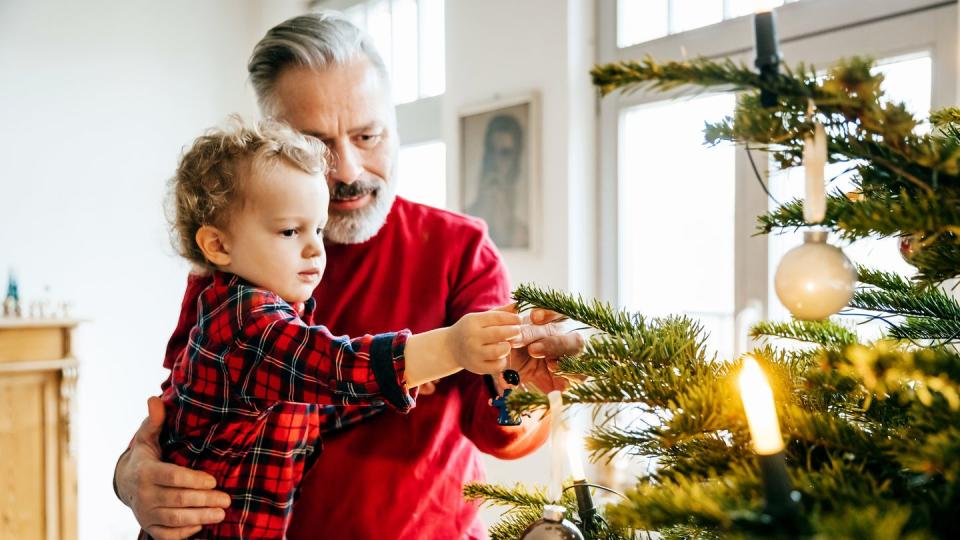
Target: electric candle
{"x":758,"y":403}
{"x":765,"y":431}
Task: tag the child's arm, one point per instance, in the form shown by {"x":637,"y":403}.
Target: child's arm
{"x":478,"y":342}
{"x":287,"y":360}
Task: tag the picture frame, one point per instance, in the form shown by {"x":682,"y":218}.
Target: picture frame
{"x":500,"y":169}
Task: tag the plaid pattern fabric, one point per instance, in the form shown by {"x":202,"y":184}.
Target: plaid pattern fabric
{"x":253,"y":389}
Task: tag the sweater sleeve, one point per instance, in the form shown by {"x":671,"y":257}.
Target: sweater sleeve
{"x":483,"y":283}
{"x":284,"y":359}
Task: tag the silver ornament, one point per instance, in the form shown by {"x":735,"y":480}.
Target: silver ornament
{"x":552,"y":526}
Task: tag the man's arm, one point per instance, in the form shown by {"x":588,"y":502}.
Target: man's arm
{"x":168,"y":501}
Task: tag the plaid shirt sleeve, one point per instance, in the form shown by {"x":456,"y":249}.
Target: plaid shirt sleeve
{"x":335,"y":418}
{"x":288,"y":360}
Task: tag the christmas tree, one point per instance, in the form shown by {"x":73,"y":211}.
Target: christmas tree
{"x":871,"y":430}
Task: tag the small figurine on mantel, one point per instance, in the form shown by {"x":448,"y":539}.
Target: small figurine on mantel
{"x":11,"y":303}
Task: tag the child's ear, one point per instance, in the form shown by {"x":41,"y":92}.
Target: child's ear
{"x":212,"y":242}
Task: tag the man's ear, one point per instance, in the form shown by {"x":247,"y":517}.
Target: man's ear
{"x":213,"y":243}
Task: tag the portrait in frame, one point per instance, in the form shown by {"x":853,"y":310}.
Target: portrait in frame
{"x":499,"y":168}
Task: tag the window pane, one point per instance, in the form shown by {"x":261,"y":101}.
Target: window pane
{"x":422,"y":173}
{"x":677,"y":215}
{"x":907,"y":79}
{"x":379,"y":27}
{"x":405,"y":77}
{"x":432,"y":72}
{"x":645,"y":20}
{"x":737,"y":8}
{"x":357,"y":15}
{"x":690,"y":14}
{"x":641,"y":20}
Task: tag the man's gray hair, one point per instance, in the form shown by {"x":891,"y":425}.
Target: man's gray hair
{"x":315,"y":40}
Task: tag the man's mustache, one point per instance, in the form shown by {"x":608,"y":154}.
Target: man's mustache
{"x":342,"y":191}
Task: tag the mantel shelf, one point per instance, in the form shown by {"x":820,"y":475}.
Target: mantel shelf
{"x":25,"y":322}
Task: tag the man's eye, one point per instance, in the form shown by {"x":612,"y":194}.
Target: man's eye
{"x":369,"y":139}
{"x":288,"y":233}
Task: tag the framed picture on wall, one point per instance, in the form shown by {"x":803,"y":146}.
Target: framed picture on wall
{"x":499,"y":168}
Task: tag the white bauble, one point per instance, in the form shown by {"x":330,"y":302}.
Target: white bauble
{"x":815,"y":280}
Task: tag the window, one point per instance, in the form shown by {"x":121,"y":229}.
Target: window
{"x":705,"y":205}
{"x":421,"y":173}
{"x":907,"y":79}
{"x":645,"y":20}
{"x":676,"y":212}
{"x":409,"y":34}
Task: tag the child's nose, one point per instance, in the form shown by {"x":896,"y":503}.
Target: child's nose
{"x":313,"y":248}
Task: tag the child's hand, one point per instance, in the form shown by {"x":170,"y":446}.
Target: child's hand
{"x":481,"y":342}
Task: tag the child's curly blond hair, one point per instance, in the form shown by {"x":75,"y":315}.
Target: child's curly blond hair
{"x":208,"y":185}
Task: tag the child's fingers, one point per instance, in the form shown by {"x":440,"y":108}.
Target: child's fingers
{"x":509,"y":308}
{"x":496,"y":334}
{"x":497,"y":318}
{"x":497,"y":355}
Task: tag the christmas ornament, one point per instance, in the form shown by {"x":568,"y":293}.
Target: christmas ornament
{"x":815,"y":280}
{"x":552,"y":526}
{"x":512,"y":378}
{"x":910,"y":245}
{"x":505,"y":418}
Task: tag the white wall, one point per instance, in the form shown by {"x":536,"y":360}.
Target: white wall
{"x":504,"y":48}
{"x":97,"y":98}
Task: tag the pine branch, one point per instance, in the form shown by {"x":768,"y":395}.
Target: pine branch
{"x":924,"y":328}
{"x":599,"y":315}
{"x":931,"y":313}
{"x":825,"y":333}
{"x":516,"y":497}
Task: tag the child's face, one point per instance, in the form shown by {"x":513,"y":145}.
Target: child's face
{"x":275,"y":240}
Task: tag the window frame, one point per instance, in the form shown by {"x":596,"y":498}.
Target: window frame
{"x":419,"y":121}
{"x":808,"y":31}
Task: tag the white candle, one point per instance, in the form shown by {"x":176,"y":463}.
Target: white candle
{"x":575,"y":455}
{"x":761,"y":413}
{"x":558,"y":446}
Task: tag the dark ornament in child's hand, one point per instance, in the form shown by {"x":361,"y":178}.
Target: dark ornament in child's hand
{"x":511,"y":376}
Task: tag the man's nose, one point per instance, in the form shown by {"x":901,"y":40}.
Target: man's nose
{"x":345,"y":163}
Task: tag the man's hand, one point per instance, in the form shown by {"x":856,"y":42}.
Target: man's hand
{"x":545,"y":342}
{"x":169,"y":501}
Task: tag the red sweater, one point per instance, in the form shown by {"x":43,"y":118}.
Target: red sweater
{"x":394,"y":475}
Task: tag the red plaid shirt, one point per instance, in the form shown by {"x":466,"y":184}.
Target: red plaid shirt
{"x":245,"y":399}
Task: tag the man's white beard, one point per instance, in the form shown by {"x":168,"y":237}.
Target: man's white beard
{"x":358,"y":226}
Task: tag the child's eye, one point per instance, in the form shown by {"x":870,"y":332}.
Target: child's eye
{"x":319,"y":231}
{"x":288,"y":233}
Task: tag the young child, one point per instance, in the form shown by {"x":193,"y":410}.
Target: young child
{"x":243,"y":403}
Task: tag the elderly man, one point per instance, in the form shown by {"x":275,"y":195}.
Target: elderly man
{"x":393,"y":264}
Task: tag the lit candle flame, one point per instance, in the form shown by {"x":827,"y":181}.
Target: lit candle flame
{"x":575,"y":455}
{"x":761,"y":413}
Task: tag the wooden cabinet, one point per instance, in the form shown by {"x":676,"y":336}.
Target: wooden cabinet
{"x":38,"y":471}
